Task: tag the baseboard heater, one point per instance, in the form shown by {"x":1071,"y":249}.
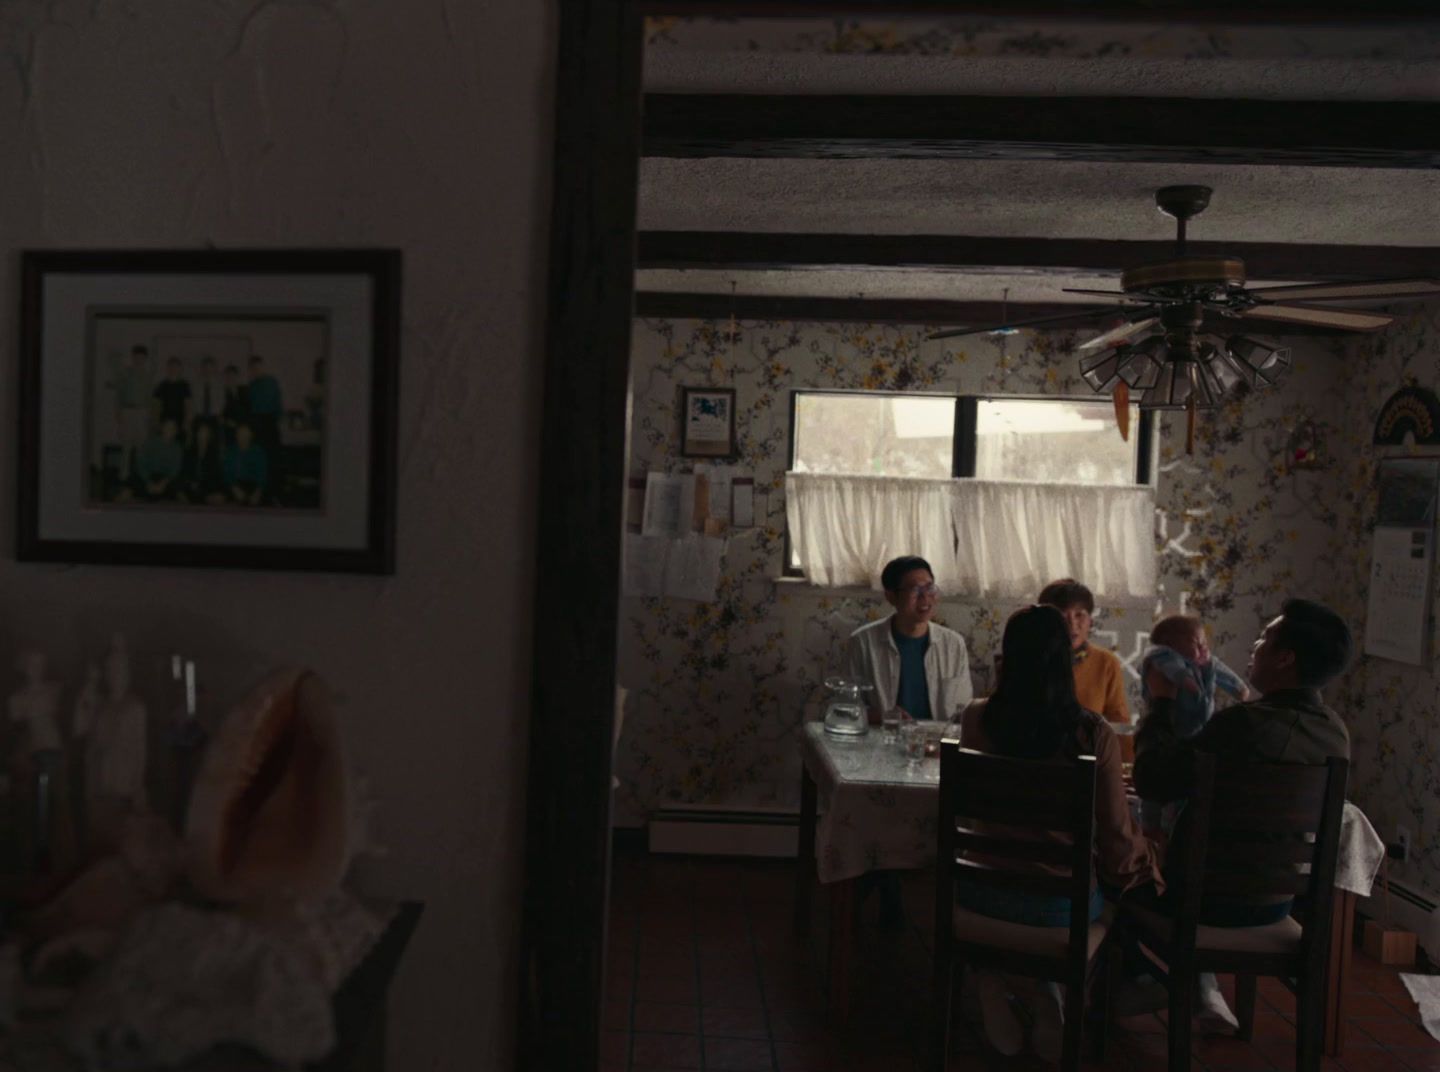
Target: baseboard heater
{"x":1411,"y":908}
{"x":724,"y":832}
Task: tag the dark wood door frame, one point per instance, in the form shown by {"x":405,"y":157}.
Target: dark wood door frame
{"x":584,"y":442}
{"x":1390,"y":134}
{"x":584,"y":439}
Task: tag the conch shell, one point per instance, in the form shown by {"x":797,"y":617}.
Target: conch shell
{"x":268,"y":813}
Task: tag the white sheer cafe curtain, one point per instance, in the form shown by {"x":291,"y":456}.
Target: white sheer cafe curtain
{"x":845,"y":528}
{"x":991,"y":538}
{"x":1015,"y":537}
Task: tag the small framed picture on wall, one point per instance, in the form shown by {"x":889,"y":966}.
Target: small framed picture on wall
{"x":707,"y":422}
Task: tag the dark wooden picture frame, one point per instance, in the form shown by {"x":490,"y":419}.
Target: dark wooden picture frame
{"x":697,"y":406}
{"x":98,"y":330}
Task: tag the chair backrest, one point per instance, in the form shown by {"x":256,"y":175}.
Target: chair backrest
{"x":1258,"y":831}
{"x":994,"y":814}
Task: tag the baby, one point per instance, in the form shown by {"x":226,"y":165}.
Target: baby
{"x":1180,"y":652}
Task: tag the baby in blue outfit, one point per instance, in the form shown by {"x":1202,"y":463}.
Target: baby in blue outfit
{"x":1180,"y":651}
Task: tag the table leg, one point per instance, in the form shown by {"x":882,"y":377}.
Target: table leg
{"x":1342,"y":941}
{"x":805,"y":854}
{"x":842,"y":944}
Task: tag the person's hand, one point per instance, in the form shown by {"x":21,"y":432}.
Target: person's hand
{"x":1157,"y":837}
{"x":1159,"y":685}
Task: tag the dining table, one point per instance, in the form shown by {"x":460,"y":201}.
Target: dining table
{"x":864,"y":806}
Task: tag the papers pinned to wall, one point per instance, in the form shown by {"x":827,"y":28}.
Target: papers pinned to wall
{"x":687,"y":568}
{"x":669,"y":504}
{"x":719,"y":481}
{"x":692,"y":568}
{"x":1397,"y":621}
{"x":645,"y":564}
{"x":680,"y":545}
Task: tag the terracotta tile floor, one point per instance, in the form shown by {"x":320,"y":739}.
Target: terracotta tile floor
{"x":705,"y":973}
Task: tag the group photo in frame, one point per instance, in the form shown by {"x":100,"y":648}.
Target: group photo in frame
{"x":209,"y":408}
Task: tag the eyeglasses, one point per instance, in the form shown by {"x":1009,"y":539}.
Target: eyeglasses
{"x":931,"y":589}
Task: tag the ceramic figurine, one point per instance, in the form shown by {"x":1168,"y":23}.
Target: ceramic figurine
{"x":115,"y":755}
{"x":87,"y":703}
{"x":34,"y":704}
{"x":42,"y":761}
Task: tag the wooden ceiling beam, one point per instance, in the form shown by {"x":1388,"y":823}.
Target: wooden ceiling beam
{"x":1371,"y":134}
{"x":1224,"y":12}
{"x":760,"y":251}
{"x":670,"y":305}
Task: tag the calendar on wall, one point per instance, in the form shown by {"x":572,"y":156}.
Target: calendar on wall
{"x":1397,"y":622}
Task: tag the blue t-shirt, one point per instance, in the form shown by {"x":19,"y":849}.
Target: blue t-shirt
{"x":914,"y":693}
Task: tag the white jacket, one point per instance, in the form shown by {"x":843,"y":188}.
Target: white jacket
{"x":872,"y":657}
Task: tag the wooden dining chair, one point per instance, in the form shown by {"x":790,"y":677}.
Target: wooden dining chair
{"x":991,"y":809}
{"x":1255,"y":831}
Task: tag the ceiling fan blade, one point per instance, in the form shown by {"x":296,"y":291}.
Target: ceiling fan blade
{"x":1082,"y":312}
{"x":1376,"y":289}
{"x":1347,"y":319}
{"x":1120,"y":334}
{"x":1113,"y":295}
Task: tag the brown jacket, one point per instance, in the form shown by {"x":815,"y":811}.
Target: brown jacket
{"x":1124,"y":859}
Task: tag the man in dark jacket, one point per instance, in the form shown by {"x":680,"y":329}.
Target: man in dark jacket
{"x":1298,"y":653}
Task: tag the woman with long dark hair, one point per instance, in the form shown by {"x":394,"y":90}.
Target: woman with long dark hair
{"x":1033,"y":714}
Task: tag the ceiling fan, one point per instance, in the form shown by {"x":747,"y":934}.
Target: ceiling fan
{"x":1162,"y":349}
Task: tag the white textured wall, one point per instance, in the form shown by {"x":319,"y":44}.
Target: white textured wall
{"x":421,"y":124}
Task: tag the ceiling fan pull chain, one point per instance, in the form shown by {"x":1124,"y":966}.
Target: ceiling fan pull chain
{"x":1190,"y":426}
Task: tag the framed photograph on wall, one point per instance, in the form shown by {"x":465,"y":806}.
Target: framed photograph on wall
{"x":209,"y":408}
{"x":707,"y":422}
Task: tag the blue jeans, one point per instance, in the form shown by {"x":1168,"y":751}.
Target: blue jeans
{"x":1030,"y":909}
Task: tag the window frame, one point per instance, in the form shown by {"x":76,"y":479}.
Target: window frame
{"x":967,"y":411}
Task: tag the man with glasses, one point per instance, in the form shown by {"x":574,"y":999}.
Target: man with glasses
{"x":910,"y":661}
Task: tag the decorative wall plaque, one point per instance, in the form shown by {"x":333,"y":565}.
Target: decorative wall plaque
{"x":1411,"y":410}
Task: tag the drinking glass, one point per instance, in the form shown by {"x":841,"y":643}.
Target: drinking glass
{"x":890,"y":724}
{"x":912,"y":735}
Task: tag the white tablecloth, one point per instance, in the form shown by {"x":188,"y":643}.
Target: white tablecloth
{"x":876,"y":810}
{"x":1361,"y":852}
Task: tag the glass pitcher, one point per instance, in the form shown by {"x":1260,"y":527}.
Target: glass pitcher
{"x":846,"y":716}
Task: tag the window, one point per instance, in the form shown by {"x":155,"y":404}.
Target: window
{"x":1049,"y":440}
{"x":874,"y":435}
{"x":1058,"y":441}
